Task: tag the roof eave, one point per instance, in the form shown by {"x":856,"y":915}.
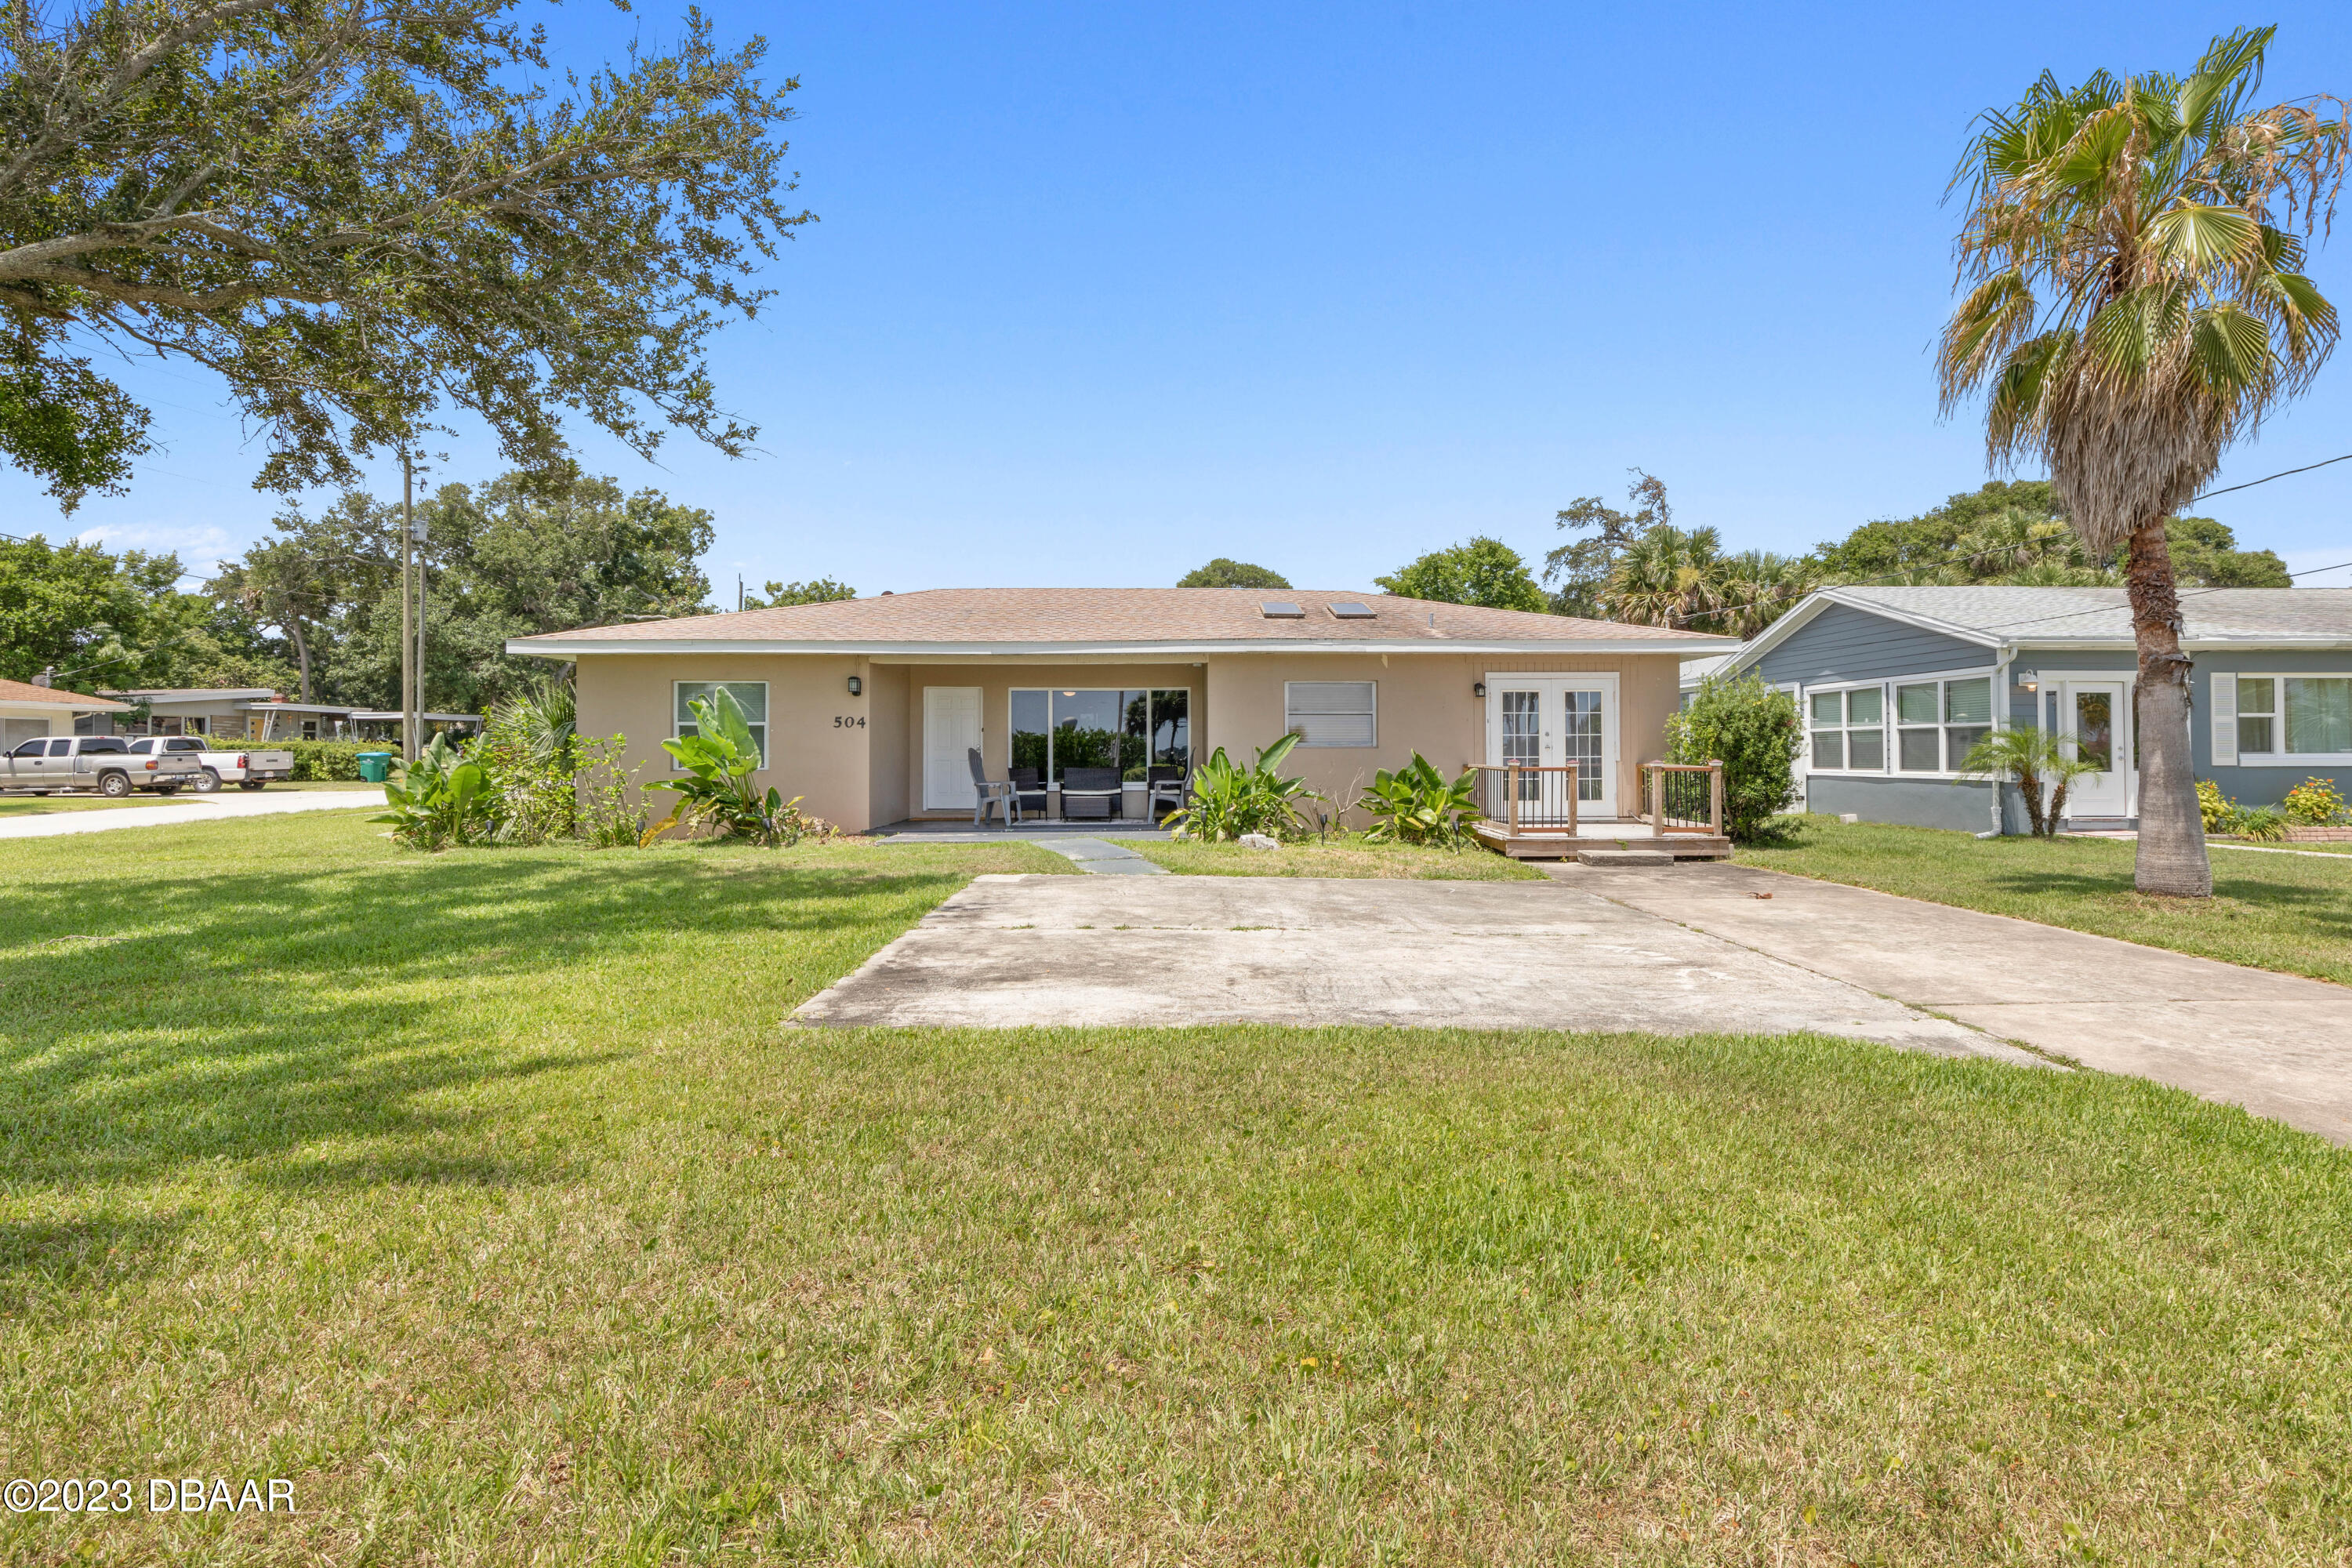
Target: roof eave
{"x":569,"y":648}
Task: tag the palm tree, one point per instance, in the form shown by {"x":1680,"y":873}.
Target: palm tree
{"x":2137,"y":306}
{"x":1667,"y":577}
{"x":1757,"y":587}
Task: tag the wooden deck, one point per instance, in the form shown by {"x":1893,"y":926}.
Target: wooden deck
{"x":1562,"y":843}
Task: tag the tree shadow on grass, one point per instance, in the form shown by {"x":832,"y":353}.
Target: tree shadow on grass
{"x":39,"y":1258}
{"x":2307,"y":914}
{"x":246,"y":1016}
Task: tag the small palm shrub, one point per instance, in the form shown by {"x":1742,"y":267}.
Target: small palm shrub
{"x":530,"y":754}
{"x":1415,"y":805}
{"x":1753,"y":729}
{"x":2315,"y":803}
{"x":1229,"y":800}
{"x":2039,"y":764}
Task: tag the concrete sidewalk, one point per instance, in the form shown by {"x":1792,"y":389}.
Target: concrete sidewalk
{"x":191,"y":808}
{"x":1011,"y":951}
{"x":2279,"y":1045}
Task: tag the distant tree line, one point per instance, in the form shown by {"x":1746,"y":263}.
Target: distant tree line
{"x":1636,"y":565}
{"x":314,"y":610}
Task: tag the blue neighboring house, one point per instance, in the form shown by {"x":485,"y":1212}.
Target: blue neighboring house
{"x":1896,"y":684}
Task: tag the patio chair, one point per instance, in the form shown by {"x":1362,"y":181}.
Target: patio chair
{"x":1092,"y":792}
{"x":988,"y":791}
{"x":1030,"y":793}
{"x":1163,"y":781}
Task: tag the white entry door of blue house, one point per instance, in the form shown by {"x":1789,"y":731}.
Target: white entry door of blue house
{"x":1550,"y":721}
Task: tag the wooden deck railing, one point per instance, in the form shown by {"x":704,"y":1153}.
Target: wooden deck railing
{"x":1529,"y":799}
{"x":1684,"y":797}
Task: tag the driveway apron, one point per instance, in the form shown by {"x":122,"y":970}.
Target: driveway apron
{"x":2279,"y":1045}
{"x":1014,"y":952}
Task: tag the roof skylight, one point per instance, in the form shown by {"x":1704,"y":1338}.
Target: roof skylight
{"x":1351,"y":610}
{"x":1281,"y":610}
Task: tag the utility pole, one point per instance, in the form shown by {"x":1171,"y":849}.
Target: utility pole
{"x":409,"y":630}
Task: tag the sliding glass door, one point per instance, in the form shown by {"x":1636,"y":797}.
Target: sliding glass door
{"x":1100,"y":727}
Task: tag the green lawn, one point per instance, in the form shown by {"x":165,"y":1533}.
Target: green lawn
{"x":485,"y":1197}
{"x":41,"y":806}
{"x":2275,"y":911}
{"x":38,"y":806}
{"x":2323,"y":846}
{"x":1344,"y":855}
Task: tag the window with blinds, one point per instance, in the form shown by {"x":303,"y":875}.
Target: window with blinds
{"x":1331,"y":712}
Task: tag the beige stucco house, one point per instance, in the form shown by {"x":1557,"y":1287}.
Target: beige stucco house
{"x":868,"y":708}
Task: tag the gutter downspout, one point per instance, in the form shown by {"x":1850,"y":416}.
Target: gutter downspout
{"x":2004,"y":657}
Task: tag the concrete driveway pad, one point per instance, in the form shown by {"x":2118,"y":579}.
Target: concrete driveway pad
{"x":1011,"y":952}
{"x":2279,"y":1045}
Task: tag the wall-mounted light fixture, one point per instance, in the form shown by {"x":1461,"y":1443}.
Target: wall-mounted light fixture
{"x":856,"y":687}
{"x":1477,"y":689}
{"x":2029,"y":680}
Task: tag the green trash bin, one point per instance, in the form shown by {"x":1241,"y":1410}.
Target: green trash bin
{"x":375,"y":767}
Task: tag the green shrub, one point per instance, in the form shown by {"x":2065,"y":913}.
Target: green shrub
{"x":2315,"y":803}
{"x":1753,"y":729}
{"x":315,"y":762}
{"x":1229,"y":800}
{"x":1414,"y":805}
{"x":532,"y":757}
{"x":717,"y":792}
{"x":2262,"y":824}
{"x":440,"y":800}
{"x":2218,"y":810}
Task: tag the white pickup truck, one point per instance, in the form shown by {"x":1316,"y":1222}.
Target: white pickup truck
{"x":63,"y":763}
{"x":247,"y":770}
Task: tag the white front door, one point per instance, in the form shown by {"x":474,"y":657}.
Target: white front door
{"x":1551,"y":720}
{"x":2095,"y":719}
{"x":951,"y":730}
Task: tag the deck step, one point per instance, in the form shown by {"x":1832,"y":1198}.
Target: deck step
{"x":1625,"y":857}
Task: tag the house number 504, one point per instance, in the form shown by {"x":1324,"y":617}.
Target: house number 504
{"x":849,"y":721}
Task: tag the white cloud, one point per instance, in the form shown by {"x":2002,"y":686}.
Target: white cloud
{"x":198,"y":545}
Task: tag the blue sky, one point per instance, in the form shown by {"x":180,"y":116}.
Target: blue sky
{"x":1100,"y":291}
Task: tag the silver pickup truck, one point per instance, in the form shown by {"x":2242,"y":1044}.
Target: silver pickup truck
{"x":248,"y":769}
{"x":63,"y":763}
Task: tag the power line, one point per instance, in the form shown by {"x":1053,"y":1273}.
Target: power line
{"x":2266,"y":479}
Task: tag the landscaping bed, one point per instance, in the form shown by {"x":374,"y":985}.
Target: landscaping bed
{"x":485,"y":1197}
{"x":2291,"y":913}
{"x":1343,"y":854}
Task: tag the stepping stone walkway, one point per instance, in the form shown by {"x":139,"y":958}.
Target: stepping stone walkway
{"x":1101,"y":857}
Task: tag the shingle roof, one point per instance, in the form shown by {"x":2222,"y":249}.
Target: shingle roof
{"x":26,"y":691}
{"x":1061,"y":619}
{"x":2072,"y":615}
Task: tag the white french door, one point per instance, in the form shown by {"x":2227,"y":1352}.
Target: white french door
{"x":1550,"y":721}
{"x":951,"y":733}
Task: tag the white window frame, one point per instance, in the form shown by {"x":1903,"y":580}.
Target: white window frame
{"x":2277,"y":757}
{"x":680,"y":727}
{"x":1885,"y":725}
{"x":1290,"y":722}
{"x":1894,"y":725}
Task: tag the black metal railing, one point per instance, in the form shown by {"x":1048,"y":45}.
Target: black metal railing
{"x":1523,"y":800}
{"x":1683,"y":797}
